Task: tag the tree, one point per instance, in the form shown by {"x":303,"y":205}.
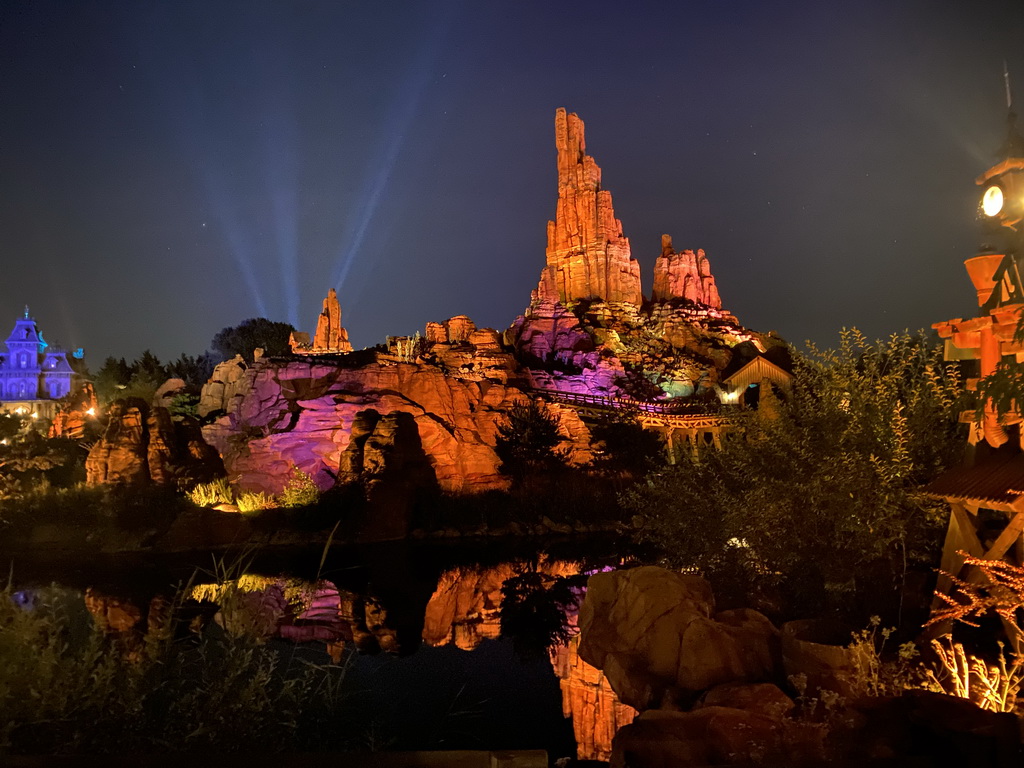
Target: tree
{"x":527,"y":441}
{"x":625,"y":446}
{"x":194,"y":371}
{"x":243,"y":338}
{"x":823,"y":502}
{"x":111,"y":378}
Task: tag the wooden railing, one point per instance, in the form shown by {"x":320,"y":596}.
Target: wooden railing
{"x":646,"y":406}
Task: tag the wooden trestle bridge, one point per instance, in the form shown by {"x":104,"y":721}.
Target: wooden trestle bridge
{"x":684,"y":426}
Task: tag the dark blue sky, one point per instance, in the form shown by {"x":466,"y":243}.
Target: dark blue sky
{"x":168,"y":169}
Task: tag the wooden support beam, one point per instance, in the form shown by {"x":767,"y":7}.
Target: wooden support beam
{"x":1007,"y":538}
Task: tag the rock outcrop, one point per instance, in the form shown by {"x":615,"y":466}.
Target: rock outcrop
{"x":588,"y":257}
{"x":142,"y":445}
{"x":76,"y":413}
{"x":330,"y":336}
{"x":588,"y":698}
{"x":223,"y":386}
{"x":685,"y":275}
{"x":120,"y":456}
{"x":652,"y":631}
{"x":282,"y":415}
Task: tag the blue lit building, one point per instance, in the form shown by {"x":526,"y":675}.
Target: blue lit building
{"x":33,"y":375}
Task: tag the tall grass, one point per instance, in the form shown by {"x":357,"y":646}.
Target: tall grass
{"x":66,"y":686}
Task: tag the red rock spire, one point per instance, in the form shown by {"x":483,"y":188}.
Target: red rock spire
{"x":685,"y":275}
{"x":588,"y":257}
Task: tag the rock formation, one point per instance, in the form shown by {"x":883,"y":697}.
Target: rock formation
{"x":76,"y":413}
{"x":588,"y":698}
{"x":588,"y":257}
{"x":223,"y":386}
{"x":330,"y":336}
{"x":651,"y":630}
{"x":142,"y":444}
{"x":587,"y":329}
{"x":300,"y":414}
{"x":119,"y":457}
{"x":685,"y":275}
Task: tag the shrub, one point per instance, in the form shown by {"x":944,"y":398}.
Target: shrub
{"x":254,"y":502}
{"x":69,"y":688}
{"x":299,"y":491}
{"x":210,"y":494}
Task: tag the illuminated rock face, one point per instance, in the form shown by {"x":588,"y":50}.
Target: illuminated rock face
{"x":649,"y":630}
{"x":120,"y":456}
{"x":330,"y":335}
{"x":297,"y":414}
{"x":589,"y":700}
{"x":466,"y":606}
{"x":588,"y":257}
{"x":685,"y":275}
{"x":143,"y":445}
{"x":74,"y":414}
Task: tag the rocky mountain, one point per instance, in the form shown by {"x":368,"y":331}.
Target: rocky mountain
{"x":429,"y":406}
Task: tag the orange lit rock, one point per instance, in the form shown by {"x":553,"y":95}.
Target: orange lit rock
{"x":112,"y":614}
{"x":142,"y":444}
{"x":589,"y":700}
{"x":76,"y":413}
{"x":452,"y":331}
{"x":299,"y":414}
{"x":686,"y":275}
{"x":465,"y":607}
{"x":588,"y":257}
{"x":649,"y":629}
{"x":120,"y":457}
{"x":330,"y":335}
{"x":223,"y":385}
{"x":161,"y":449}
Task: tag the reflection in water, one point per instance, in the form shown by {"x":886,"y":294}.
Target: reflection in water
{"x":463,"y":611}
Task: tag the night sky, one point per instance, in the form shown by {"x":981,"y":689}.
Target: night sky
{"x":169,"y":169}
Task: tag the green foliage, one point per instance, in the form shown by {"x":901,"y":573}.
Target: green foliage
{"x":111,"y":379}
{"x":69,"y":688}
{"x":212,"y":493}
{"x":527,"y":441}
{"x":821,"y":504}
{"x":626,"y":445}
{"x":29,"y":460}
{"x":533,"y":611}
{"x":254,"y":501}
{"x":184,"y":406}
{"x":299,"y":490}
{"x":194,"y":371}
{"x":243,"y":338}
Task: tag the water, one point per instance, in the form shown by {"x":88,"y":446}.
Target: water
{"x":418,"y":626}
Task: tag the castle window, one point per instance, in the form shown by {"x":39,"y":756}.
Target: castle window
{"x":24,"y":360}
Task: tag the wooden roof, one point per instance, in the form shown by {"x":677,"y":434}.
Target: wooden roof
{"x":995,"y":483}
{"x":756,"y":371}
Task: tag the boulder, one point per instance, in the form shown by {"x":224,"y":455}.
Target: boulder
{"x":708,"y":736}
{"x":652,"y":630}
{"x":762,"y":698}
{"x":222,"y":387}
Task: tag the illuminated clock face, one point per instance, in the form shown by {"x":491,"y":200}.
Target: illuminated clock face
{"x":992,"y":201}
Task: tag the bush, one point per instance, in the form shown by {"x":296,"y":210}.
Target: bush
{"x":69,"y":688}
{"x":299,"y":491}
{"x":822,"y":504}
